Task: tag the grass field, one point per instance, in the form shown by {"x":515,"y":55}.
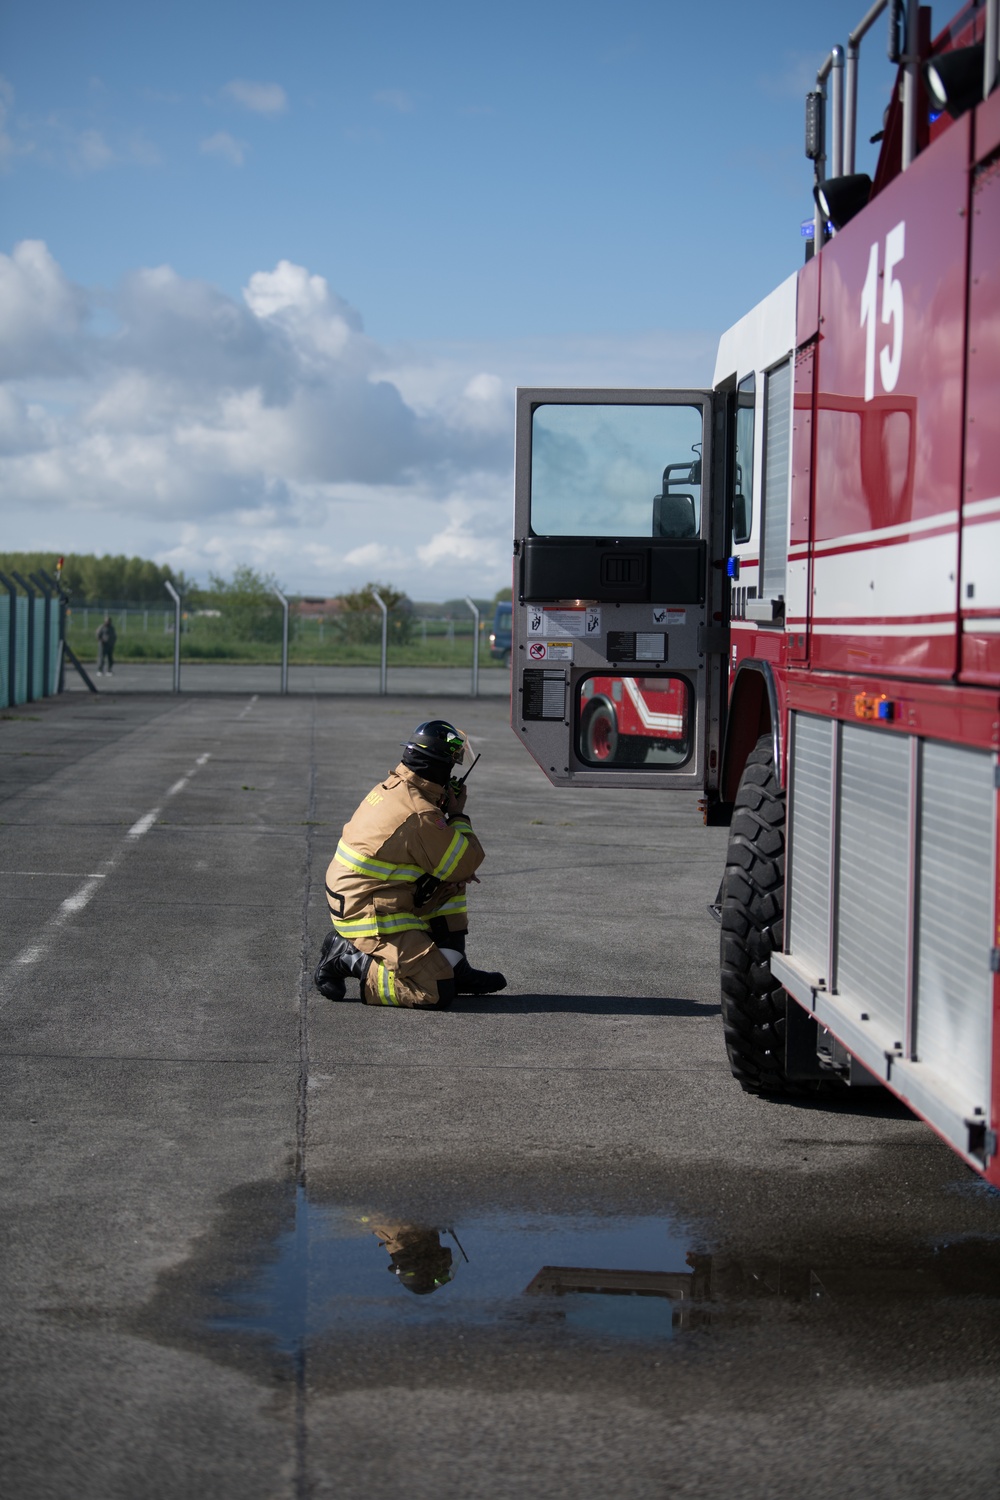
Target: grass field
{"x":142,"y":636}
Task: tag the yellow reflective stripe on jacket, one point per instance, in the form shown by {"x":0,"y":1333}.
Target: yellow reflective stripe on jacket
{"x":458,"y":906}
{"x":378,"y":869}
{"x":385,"y":985}
{"x":451,"y":856}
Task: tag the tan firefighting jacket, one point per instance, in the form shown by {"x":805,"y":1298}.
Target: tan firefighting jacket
{"x":398,"y":835}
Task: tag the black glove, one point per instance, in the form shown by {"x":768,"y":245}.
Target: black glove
{"x":424,"y":889}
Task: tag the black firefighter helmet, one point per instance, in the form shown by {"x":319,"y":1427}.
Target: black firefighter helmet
{"x":422,"y":1264}
{"x":434,"y":749}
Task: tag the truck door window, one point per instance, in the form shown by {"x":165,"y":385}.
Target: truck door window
{"x":624,"y":719}
{"x":777,"y":448}
{"x":631,"y":471}
{"x":743,"y":486}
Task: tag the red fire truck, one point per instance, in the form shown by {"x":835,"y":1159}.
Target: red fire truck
{"x":804,"y":563}
{"x":633,"y":719}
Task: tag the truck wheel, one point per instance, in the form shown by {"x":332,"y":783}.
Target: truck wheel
{"x":754,"y":1005}
{"x":600,"y":732}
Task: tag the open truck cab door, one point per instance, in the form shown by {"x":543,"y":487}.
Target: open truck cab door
{"x":621,"y":597}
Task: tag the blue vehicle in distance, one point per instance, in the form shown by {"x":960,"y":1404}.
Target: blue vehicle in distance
{"x":500,"y":635}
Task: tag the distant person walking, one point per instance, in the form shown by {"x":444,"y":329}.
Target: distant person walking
{"x":106,"y":637}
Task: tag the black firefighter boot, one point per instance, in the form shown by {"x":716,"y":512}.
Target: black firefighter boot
{"x":468,"y":981}
{"x":339,"y":960}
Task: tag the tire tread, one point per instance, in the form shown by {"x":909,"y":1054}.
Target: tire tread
{"x":754,"y":1005}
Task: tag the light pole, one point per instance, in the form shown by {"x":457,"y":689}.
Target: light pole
{"x":284,"y":639}
{"x":384,"y":673}
{"x":475,"y":647}
{"x":175,"y":596}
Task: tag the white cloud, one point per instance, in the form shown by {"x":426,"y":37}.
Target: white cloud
{"x":475,"y":535}
{"x":90,"y":152}
{"x":260,"y":98}
{"x":225,"y":146}
{"x":370,"y":556}
{"x":58,"y":140}
{"x":41,"y":314}
{"x":397,"y":99}
{"x":203,"y":430}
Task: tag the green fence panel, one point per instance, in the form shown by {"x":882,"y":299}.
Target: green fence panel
{"x":21,"y":644}
{"x":37,"y":607}
{"x":6,"y":695}
{"x":52,"y":666}
{"x":40,"y":674}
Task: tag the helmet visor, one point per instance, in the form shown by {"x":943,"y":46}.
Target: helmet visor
{"x":457,"y":743}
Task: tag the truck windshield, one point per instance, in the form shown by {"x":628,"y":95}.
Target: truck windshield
{"x":616,"y":470}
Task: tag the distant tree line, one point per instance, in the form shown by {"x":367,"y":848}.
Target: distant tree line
{"x":247,"y":603}
{"x":100,"y":581}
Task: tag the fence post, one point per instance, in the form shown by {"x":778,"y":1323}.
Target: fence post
{"x":175,"y":596}
{"x":384,"y":673}
{"x":475,"y":647}
{"x":284,"y":639}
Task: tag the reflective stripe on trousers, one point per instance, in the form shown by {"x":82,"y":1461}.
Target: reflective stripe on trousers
{"x":385,"y":985}
{"x":384,"y":924}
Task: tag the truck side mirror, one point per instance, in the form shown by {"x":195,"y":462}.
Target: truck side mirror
{"x":674,"y":516}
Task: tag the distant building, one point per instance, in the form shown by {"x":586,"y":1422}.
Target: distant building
{"x":311,"y":608}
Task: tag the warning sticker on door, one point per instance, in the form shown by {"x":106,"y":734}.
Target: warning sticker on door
{"x":551,"y":651}
{"x":582,"y":620}
{"x":664,"y":616}
{"x":543,"y":693}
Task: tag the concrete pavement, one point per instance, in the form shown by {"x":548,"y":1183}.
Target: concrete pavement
{"x":197,"y":1147}
{"x":228,"y":677}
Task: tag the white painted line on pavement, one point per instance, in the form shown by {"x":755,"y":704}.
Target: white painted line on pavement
{"x":79,"y":899}
{"x":144,"y":824}
{"x":179,"y":786}
{"x":82,"y":896}
{"x":249,"y":706}
{"x":58,"y":874}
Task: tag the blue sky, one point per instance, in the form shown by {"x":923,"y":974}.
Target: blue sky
{"x":285,"y":268}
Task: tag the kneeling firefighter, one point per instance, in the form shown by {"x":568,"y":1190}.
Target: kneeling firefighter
{"x":396,"y":885}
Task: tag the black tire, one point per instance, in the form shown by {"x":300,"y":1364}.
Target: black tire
{"x":632,"y":749}
{"x":754,"y":1005}
{"x":600,"y":733}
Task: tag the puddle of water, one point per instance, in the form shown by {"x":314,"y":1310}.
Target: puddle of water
{"x":337,"y":1270}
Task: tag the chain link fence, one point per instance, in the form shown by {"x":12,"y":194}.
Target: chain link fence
{"x":302,"y":643}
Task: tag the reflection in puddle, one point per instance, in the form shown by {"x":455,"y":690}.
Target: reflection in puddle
{"x":417,"y":1257}
{"x":626,"y":1278}
{"x":328,"y":1272}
